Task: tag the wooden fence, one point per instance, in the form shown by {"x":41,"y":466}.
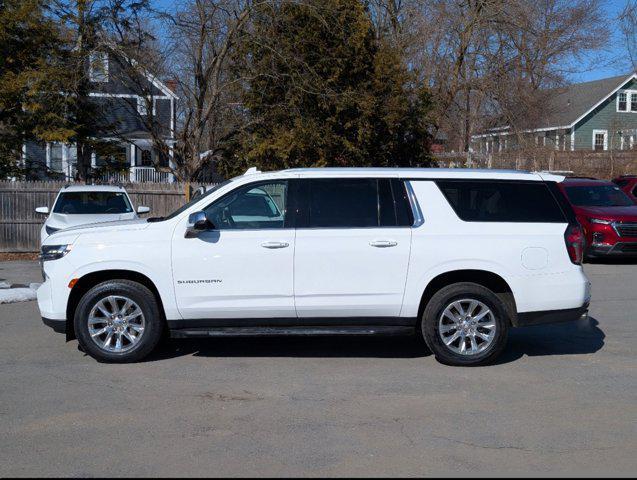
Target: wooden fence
{"x":606,"y":164}
{"x":20,"y":225}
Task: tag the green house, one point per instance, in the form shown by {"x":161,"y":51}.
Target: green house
{"x":598,"y":115}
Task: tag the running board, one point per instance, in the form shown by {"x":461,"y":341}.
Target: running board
{"x":289,"y":331}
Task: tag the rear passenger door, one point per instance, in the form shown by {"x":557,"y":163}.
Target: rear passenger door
{"x":353,"y":244}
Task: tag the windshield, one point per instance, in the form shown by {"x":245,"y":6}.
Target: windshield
{"x":194,"y":199}
{"x":92,"y":203}
{"x":598,"y":196}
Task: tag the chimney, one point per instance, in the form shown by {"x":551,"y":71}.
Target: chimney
{"x":172,"y":85}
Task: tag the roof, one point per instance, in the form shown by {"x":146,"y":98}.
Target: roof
{"x":568,"y":105}
{"x":428,"y":173}
{"x":93,"y":188}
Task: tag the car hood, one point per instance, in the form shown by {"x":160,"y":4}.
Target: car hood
{"x":63,"y":220}
{"x":71,"y":234}
{"x":622,"y":214}
{"x":119,"y":225}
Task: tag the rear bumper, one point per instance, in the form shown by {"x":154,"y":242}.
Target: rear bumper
{"x":58,"y":326}
{"x":527,"y":319}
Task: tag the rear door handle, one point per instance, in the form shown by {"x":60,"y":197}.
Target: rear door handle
{"x":383,"y":243}
{"x":273,"y":245}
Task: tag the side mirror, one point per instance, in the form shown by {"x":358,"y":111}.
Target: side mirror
{"x":141,"y":210}
{"x":42,"y":210}
{"x":198,"y":222}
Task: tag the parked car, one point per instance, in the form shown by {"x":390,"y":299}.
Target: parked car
{"x":607,"y":215}
{"x":628,"y":183}
{"x":82,"y":204}
{"x":455,"y":256}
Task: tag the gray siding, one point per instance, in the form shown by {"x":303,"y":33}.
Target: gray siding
{"x":605,"y":117}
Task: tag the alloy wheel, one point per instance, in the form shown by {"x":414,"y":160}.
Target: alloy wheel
{"x":467,"y":326}
{"x":116,"y":324}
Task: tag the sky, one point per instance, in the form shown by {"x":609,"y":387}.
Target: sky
{"x":613,"y":60}
{"x":610,"y":62}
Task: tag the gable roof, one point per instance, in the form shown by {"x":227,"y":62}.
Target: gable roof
{"x":567,"y":105}
{"x":570,"y":104}
{"x":143,"y":70}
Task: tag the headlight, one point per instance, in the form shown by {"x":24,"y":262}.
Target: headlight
{"x":600,"y":221}
{"x":53,"y":252}
{"x":50,"y":230}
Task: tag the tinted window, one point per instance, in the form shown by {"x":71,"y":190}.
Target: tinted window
{"x":486,"y":201}
{"x":253,"y":206}
{"x":598,"y":196}
{"x":353,"y":203}
{"x":92,"y":203}
{"x":195,"y":199}
{"x":404,"y":215}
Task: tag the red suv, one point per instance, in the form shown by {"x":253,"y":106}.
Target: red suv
{"x":628,"y":183}
{"x":607,"y":215}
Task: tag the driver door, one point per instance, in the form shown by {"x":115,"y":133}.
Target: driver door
{"x":244,"y":267}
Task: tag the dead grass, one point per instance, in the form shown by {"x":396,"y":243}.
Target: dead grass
{"x":7,"y":257}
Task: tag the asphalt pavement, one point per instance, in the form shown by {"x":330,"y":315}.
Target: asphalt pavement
{"x":561,"y":400}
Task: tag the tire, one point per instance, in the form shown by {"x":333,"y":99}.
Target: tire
{"x":137,"y":326}
{"x":436,"y":319}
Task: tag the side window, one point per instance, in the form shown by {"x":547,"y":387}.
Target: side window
{"x":355,"y":203}
{"x":486,"y":201}
{"x":635,"y":191}
{"x":260,"y":206}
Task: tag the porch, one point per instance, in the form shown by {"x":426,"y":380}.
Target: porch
{"x":133,"y":162}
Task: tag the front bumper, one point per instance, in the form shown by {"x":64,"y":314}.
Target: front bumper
{"x":619,"y":249}
{"x":58,"y":326}
{"x":552,"y":316}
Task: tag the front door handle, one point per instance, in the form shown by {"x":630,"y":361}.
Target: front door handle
{"x":383,"y":243}
{"x":273,"y":245}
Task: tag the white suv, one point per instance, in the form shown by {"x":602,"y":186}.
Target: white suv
{"x":457,"y":256}
{"x":82,"y":204}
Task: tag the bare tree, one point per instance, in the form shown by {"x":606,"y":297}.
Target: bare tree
{"x":203,"y":35}
{"x":483,"y":58}
{"x":628,"y":27}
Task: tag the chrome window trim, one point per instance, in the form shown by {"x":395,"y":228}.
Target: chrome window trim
{"x":415,"y":207}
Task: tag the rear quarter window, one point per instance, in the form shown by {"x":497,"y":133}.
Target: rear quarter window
{"x":493,"y":201}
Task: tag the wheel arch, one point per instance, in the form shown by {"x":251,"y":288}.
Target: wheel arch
{"x":486,"y":278}
{"x":89,"y":280}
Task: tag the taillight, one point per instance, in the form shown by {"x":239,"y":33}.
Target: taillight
{"x":574,"y":239}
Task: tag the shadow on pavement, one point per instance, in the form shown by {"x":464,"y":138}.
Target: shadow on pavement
{"x":572,"y":338}
{"x":302,"y":347}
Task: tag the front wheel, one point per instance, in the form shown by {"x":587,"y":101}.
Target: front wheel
{"x":118,"y":321}
{"x":465,"y":324}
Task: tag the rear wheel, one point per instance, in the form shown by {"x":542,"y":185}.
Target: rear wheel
{"x":118,"y":321}
{"x":465,"y":324}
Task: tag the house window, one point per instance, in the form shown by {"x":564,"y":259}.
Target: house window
{"x":56,"y":157}
{"x":600,"y":140}
{"x":633,"y":102}
{"x":142,"y":106}
{"x":622,"y":102}
{"x":98,"y":67}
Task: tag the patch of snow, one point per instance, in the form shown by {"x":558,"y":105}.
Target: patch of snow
{"x":4,"y":284}
{"x":34,"y":286}
{"x":12,"y":295}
